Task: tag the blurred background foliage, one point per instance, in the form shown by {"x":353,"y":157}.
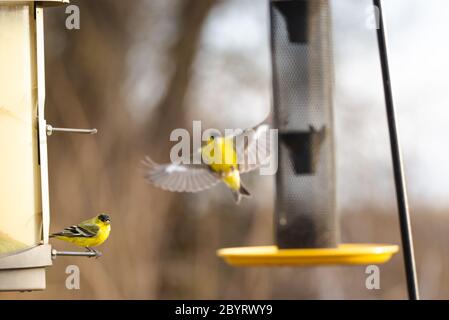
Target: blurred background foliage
{"x":137,"y":69}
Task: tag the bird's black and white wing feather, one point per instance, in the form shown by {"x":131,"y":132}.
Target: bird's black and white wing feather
{"x":86,"y":231}
{"x":180,"y":177}
{"x":253,"y":147}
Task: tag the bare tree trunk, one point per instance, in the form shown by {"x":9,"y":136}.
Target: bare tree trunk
{"x":171,"y":114}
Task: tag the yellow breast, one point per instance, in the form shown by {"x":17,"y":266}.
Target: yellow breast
{"x":101,"y":237}
{"x":220,"y":155}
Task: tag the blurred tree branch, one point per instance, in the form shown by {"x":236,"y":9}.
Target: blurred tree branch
{"x":169,"y":114}
{"x":171,"y":110}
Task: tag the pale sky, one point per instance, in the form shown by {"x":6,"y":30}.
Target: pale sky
{"x":419,"y":49}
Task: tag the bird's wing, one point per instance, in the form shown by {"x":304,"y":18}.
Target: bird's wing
{"x":180,"y":177}
{"x":253,"y":147}
{"x":85,"y":230}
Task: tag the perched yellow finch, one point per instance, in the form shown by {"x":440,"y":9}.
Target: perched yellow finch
{"x":87,"y":234}
{"x":223,"y":159}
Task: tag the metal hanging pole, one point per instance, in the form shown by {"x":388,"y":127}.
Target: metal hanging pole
{"x":401,"y":193}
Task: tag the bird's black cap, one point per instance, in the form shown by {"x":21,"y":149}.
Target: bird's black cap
{"x":214,"y":134}
{"x":104,"y":217}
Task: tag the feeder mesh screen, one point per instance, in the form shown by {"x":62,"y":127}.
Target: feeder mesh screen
{"x":302,"y":84}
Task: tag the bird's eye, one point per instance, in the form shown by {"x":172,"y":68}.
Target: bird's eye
{"x":104,"y":218}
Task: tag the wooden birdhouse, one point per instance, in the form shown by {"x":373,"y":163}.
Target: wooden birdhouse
{"x":24,"y":200}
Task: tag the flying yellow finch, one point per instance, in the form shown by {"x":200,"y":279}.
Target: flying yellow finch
{"x":223,"y":159}
{"x":87,"y":234}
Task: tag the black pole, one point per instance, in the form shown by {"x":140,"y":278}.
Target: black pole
{"x":401,"y":193}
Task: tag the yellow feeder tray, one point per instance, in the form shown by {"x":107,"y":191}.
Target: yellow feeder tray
{"x":346,"y":254}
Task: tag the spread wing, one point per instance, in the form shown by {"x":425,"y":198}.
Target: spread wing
{"x":253,"y":147}
{"x":87,"y":230}
{"x":180,"y":177}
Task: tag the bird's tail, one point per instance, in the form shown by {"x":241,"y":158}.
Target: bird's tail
{"x":242,"y":192}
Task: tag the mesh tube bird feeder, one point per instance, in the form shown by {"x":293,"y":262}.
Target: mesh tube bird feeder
{"x":306,"y":225}
{"x":305,"y":205}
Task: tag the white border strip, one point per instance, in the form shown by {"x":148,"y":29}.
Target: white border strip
{"x":42,"y":124}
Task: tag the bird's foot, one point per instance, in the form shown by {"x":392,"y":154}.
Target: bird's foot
{"x":97,"y":253}
{"x":89,"y":250}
